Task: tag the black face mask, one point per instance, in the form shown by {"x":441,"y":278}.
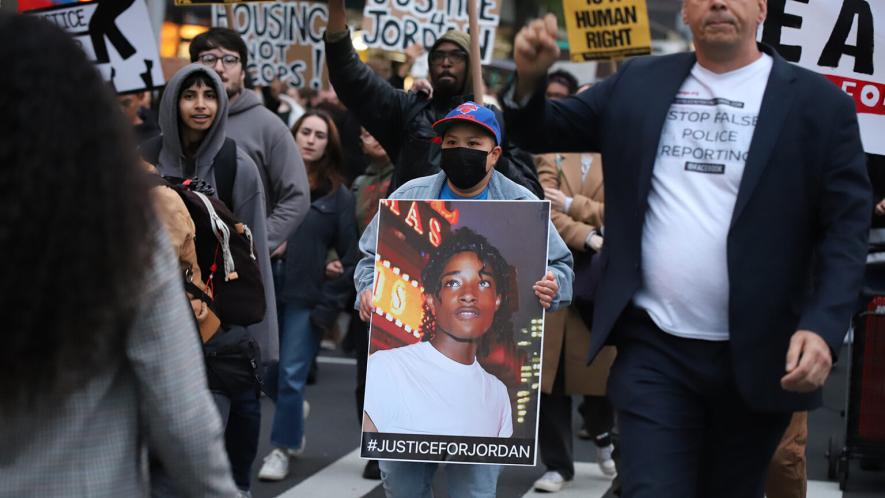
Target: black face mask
{"x":463,"y":166}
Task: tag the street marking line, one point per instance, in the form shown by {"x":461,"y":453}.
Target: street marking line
{"x":336,"y":360}
{"x":823,"y":489}
{"x":343,"y":478}
{"x":589,"y":482}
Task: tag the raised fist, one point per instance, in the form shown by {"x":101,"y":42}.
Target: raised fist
{"x":535,"y":48}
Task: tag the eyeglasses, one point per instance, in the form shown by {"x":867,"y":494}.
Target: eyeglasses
{"x":454,"y":56}
{"x":210,"y":60}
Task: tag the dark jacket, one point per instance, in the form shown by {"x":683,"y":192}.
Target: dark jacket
{"x":402,"y":122}
{"x":797,"y":241}
{"x":330,"y":224}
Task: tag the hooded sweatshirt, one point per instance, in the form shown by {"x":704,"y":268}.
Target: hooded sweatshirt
{"x":402,"y":122}
{"x":267,"y":140}
{"x":248,"y":191}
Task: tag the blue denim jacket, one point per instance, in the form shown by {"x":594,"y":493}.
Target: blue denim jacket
{"x":559,"y":258}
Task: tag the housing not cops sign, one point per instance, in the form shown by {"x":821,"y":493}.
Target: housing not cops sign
{"x":842,"y":40}
{"x":606,"y":29}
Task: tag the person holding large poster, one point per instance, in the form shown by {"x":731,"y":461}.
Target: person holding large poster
{"x":470,"y":148}
{"x":737,"y":211}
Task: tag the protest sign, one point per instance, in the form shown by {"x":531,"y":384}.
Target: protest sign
{"x":843,"y":40}
{"x":186,"y":3}
{"x":397,"y":24}
{"x":606,"y":29}
{"x":117,"y":35}
{"x":284,"y":41}
{"x":455,"y":339}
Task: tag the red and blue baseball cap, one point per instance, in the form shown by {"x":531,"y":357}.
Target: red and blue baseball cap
{"x":472,"y":113}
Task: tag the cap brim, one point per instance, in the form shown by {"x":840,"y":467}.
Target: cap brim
{"x":444,"y":124}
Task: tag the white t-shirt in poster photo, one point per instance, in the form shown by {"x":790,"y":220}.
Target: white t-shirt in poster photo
{"x":697,"y":173}
{"x":416,"y":389}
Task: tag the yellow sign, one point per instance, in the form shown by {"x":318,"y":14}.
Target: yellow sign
{"x":606,"y":29}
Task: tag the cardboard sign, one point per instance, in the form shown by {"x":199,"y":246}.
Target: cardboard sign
{"x":284,"y":40}
{"x":455,"y":340}
{"x":845,"y":41}
{"x":397,"y":24}
{"x":118,"y":36}
{"x":190,"y":3}
{"x":606,"y":29}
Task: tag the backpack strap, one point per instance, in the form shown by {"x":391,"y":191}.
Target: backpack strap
{"x":226,"y":172}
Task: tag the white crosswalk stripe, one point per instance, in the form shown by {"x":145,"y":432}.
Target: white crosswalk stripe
{"x":341,"y":479}
{"x":589,"y":482}
{"x":823,"y":489}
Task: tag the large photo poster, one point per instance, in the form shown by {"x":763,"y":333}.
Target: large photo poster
{"x":455,"y":340}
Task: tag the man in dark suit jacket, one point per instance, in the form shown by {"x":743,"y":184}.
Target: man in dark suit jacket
{"x":737,"y":207}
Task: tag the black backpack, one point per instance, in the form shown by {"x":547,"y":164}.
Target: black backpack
{"x":225,"y":251}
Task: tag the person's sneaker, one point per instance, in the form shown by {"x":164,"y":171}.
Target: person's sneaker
{"x":244,"y":494}
{"x":372,"y":471}
{"x":550,"y":482}
{"x":583,"y":433}
{"x":275,"y":467}
{"x":604,"y":459}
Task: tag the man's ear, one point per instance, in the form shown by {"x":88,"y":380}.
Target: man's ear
{"x":497,"y":302}
{"x":495,"y":154}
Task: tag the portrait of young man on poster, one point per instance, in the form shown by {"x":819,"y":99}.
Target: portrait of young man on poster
{"x":455,"y":337}
{"x":465,"y":280}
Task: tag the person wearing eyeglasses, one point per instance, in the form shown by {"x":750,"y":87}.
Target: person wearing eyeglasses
{"x":402,"y":121}
{"x":267,"y":140}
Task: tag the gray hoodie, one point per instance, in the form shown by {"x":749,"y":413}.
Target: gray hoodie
{"x":269,"y":143}
{"x":248,"y":191}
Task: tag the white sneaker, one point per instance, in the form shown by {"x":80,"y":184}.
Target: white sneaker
{"x":297,"y":452}
{"x":275,"y":467}
{"x":550,"y":482}
{"x":604,"y":459}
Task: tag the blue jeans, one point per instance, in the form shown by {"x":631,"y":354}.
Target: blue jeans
{"x":415,"y":479}
{"x":299,"y":343}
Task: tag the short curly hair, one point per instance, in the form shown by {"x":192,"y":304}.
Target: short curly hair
{"x":466,"y":240}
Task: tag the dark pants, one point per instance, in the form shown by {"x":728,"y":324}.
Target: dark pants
{"x":685,"y":431}
{"x":359,"y":334}
{"x":555,"y":424}
{"x":241,"y":416}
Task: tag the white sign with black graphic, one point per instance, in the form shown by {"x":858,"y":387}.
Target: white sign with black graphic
{"x":118,"y":36}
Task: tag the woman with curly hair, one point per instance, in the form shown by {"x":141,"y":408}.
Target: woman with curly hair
{"x":311,"y":296}
{"x":100,"y":356}
{"x":437,"y":385}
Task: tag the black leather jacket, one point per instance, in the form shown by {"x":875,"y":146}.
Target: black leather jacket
{"x":402,"y":122}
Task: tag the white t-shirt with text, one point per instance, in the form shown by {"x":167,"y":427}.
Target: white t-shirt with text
{"x":416,"y":389}
{"x":697,"y":173}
